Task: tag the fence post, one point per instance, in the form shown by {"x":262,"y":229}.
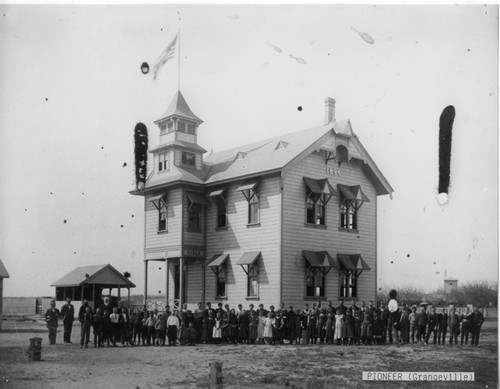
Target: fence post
{"x":215,"y":375}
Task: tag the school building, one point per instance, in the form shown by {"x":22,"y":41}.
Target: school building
{"x":291,"y":219}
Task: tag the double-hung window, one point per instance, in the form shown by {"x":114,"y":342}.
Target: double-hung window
{"x":317,"y":266}
{"x":161,"y":205}
{"x":351,"y":200}
{"x":196,"y":202}
{"x":220,"y":200}
{"x":351,"y":267}
{"x":252,"y":196}
{"x":318,"y":194}
{"x":163,"y":162}
{"x":249,"y":264}
{"x":218,"y":264}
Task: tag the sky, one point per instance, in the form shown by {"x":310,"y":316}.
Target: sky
{"x":72,"y":91}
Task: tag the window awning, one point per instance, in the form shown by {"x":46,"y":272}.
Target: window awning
{"x":157,"y":200}
{"x":248,"y":259}
{"x":219,"y":192}
{"x":218,"y":260}
{"x":353,"y":262}
{"x":320,"y":186}
{"x":197,"y":198}
{"x":352,"y":193}
{"x":251,"y":187}
{"x":248,"y":186}
{"x":320,"y":259}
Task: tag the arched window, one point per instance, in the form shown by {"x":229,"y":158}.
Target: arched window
{"x":342,"y":154}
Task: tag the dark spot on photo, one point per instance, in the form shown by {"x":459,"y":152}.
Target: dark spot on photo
{"x":46,"y":99}
{"x":392,"y":261}
{"x":407,"y":255}
{"x":299,"y":108}
{"x":145,"y":68}
{"x":121,"y":226}
{"x":445,"y":133}
{"x":132,"y":215}
{"x":65,"y":221}
{"x":124,"y":164}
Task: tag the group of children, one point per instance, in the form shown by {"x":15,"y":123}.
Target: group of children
{"x":341,"y":325}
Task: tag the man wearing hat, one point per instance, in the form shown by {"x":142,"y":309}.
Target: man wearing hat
{"x":51,"y":318}
{"x":68,"y":316}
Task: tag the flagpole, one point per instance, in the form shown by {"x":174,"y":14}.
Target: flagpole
{"x":179,"y":63}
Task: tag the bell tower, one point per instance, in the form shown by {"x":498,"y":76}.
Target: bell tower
{"x":178,"y":138}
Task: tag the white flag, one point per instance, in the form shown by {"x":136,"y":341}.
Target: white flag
{"x":167,"y":54}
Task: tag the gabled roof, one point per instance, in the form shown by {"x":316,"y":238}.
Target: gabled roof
{"x":3,"y":271}
{"x":176,"y":175}
{"x":179,"y":107}
{"x":98,"y":274}
{"x":262,"y":157}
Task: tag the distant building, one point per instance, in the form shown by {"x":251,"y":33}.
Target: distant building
{"x":450,"y":284}
{"x":3,"y":274}
{"x":89,"y":282}
{"x":291,"y":219}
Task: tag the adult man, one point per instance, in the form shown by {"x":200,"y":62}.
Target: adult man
{"x":210,"y":318}
{"x":476,"y":321}
{"x":442,"y":326}
{"x":51,"y":318}
{"x":342,"y":309}
{"x":366,"y":326}
{"x":465,"y":326}
{"x":422,"y":321}
{"x":106,"y":306}
{"x":198,"y":320}
{"x":86,"y":322}
{"x":68,"y":316}
{"x":124,"y":322}
{"x":432,"y":326}
{"x":356,"y":317}
{"x":242,"y":324}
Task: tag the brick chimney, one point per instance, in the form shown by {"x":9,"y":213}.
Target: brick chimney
{"x":329,"y":110}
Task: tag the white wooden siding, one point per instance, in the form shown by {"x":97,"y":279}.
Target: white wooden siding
{"x":298,"y":237}
{"x":155,"y":239}
{"x":239,"y":238}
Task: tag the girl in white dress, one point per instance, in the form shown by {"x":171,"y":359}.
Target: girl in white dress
{"x":339,"y":328}
{"x":217,"y":332}
{"x":268,"y":328}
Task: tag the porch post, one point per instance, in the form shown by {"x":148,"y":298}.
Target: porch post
{"x":203,"y":282}
{"x":166,"y":282}
{"x":145,"y":282}
{"x":167,"y":294}
{"x":181,"y":282}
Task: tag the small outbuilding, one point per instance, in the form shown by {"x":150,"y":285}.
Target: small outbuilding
{"x":89,"y":282}
{"x":3,"y":274}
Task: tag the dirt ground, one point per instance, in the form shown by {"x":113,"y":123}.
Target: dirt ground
{"x":244,"y":366}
